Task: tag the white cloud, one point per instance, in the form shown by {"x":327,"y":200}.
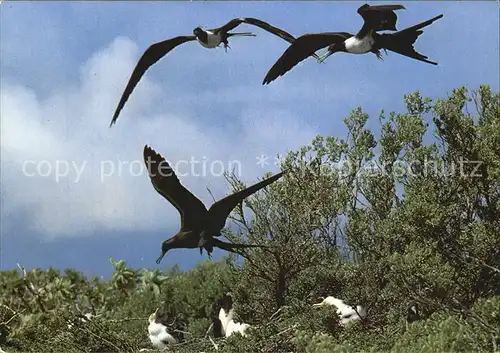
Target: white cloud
{"x":71,"y":126}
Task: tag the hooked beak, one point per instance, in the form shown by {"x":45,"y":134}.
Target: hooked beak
{"x":158,"y":260}
{"x":319,"y":305}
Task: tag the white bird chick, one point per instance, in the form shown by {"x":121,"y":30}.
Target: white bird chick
{"x":338,"y":303}
{"x":86,"y":317}
{"x":158,"y":334}
{"x":233,"y":327}
{"x":226,"y":314}
{"x":345,"y":312}
{"x":350,"y":314}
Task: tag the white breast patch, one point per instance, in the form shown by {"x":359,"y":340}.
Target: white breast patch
{"x":359,"y":46}
{"x":213,"y":40}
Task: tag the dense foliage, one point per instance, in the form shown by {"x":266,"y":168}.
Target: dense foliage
{"x":409,"y":216}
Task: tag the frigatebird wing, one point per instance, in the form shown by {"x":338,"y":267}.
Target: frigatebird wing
{"x":378,"y":18}
{"x":166,"y":183}
{"x":261,"y":24}
{"x":303,"y":47}
{"x":219,"y":211}
{"x":154,"y":53}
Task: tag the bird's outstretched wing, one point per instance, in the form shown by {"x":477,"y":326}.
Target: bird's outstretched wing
{"x":220,"y":210}
{"x":378,"y":18}
{"x":300,"y":49}
{"x":167,"y":184}
{"x":154,"y":53}
{"x":261,"y":24}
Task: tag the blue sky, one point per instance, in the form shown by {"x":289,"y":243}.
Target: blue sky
{"x":64,"y":67}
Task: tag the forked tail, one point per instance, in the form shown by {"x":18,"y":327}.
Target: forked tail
{"x":235,"y":247}
{"x":402,"y":41}
{"x":241,"y":34}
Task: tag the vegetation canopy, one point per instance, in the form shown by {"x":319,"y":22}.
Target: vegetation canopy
{"x":405,"y":216}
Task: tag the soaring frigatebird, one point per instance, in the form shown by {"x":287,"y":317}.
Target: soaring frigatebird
{"x":208,"y":38}
{"x":199,"y":226}
{"x":376,"y":18}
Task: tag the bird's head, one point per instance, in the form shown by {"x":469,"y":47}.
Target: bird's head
{"x":413,"y":310}
{"x":320,"y":304}
{"x":152,"y":317}
{"x":361,"y":311}
{"x":166,"y":246}
{"x":197,"y":31}
{"x":226,"y":302}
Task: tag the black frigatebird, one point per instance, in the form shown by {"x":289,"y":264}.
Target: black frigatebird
{"x":208,"y":38}
{"x":376,"y":18}
{"x":199,"y":226}
{"x":413,"y":312}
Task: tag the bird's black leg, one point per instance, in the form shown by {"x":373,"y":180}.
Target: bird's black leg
{"x":377,"y":53}
{"x":208,"y":252}
{"x":226,"y":45}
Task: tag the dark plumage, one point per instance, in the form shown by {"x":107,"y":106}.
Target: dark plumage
{"x":225,"y":302}
{"x":199,"y":226}
{"x":217,"y":327}
{"x":210,"y":38}
{"x":413,"y":313}
{"x":376,"y":18}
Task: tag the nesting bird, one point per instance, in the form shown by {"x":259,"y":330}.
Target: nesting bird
{"x":158,"y":334}
{"x":217,"y":327}
{"x":413,"y":313}
{"x":345,"y":312}
{"x":376,"y":18}
{"x":199,"y":226}
{"x":86,"y":316}
{"x":207,"y":38}
{"x":226,"y":317}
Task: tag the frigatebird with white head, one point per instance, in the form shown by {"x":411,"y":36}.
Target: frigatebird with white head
{"x":208,"y":38}
{"x":199,"y":226}
{"x":376,"y":18}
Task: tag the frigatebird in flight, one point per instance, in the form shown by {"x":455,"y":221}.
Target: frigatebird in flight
{"x":199,"y":226}
{"x":376,"y":18}
{"x":208,"y":38}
